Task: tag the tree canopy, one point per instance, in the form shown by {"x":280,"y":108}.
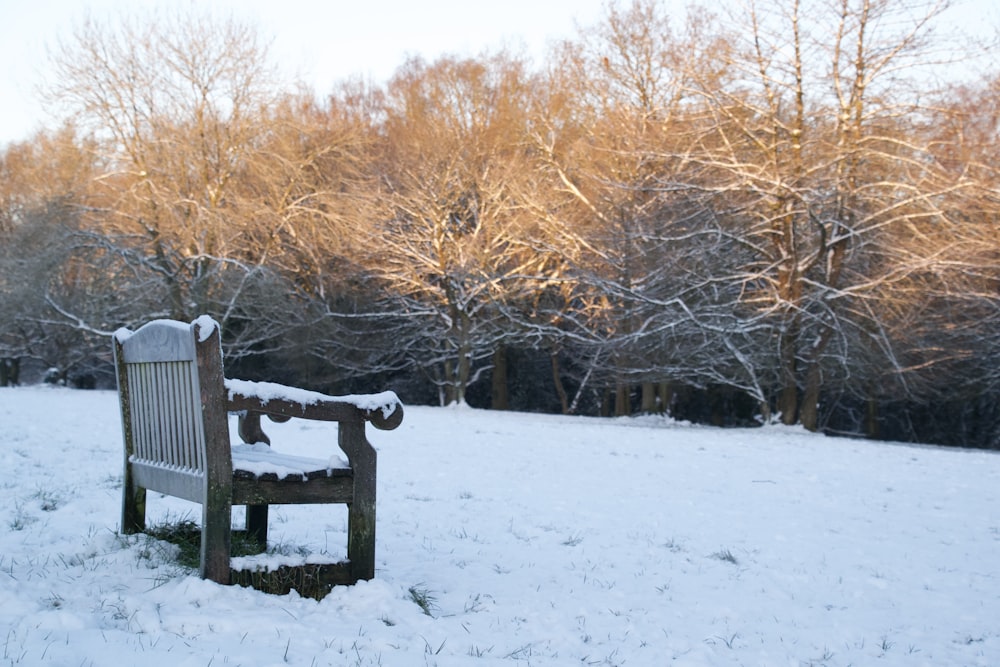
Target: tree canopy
{"x":785,"y":210}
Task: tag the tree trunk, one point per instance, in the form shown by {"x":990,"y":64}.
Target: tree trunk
{"x":463,"y":365}
{"x":500,"y":399}
{"x":450,"y":386}
{"x":809,"y":410}
{"x":462,"y":378}
{"x":623,"y":404}
{"x":557,"y":380}
{"x":788,"y":399}
{"x":607,"y":402}
{"x":666,"y":390}
{"x":788,"y":404}
{"x":649,"y":398}
{"x":871,"y":419}
{"x":717,"y":406}
{"x":765,"y":411}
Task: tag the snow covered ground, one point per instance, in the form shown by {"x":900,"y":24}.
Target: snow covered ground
{"x":532,"y":540}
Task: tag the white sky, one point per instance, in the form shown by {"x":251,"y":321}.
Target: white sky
{"x":322,"y":41}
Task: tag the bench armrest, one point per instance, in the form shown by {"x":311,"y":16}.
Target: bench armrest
{"x":383,"y":410}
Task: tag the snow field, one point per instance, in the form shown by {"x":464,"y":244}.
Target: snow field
{"x":531,"y":540}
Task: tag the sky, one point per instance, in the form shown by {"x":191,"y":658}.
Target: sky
{"x":320,"y":42}
{"x":323,"y":42}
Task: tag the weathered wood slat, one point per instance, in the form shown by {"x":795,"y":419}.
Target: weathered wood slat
{"x":280,"y":492}
{"x":164,"y":411}
{"x":317,"y":578}
{"x":186,"y":484}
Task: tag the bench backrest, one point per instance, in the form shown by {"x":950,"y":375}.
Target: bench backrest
{"x":171,"y":391}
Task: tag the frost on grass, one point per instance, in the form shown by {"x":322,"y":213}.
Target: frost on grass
{"x":726,"y":556}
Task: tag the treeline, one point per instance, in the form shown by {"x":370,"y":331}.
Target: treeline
{"x":790,"y":212}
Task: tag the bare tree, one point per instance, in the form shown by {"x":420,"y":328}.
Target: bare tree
{"x":174,"y":106}
{"x":940,"y":301}
{"x":451,"y":238}
{"x":44,"y":184}
{"x":631,"y":241}
{"x":308,"y":187}
{"x":814,"y":145}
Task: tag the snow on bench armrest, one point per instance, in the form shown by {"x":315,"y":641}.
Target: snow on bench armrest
{"x":384,"y":409}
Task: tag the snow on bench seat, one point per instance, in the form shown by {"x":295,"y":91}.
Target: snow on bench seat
{"x":259,"y":461}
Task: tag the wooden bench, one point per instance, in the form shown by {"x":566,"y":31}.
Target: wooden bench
{"x":175,"y":406}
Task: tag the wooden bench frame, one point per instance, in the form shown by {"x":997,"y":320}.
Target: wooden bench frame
{"x":175,"y":406}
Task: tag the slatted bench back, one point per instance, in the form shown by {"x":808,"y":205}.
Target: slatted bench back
{"x":166,"y":414}
{"x":162,"y":412}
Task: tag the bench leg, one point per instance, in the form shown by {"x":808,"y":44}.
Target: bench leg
{"x":361,"y":539}
{"x":361,"y":510}
{"x":216,"y":535}
{"x":133,"y":506}
{"x":257,"y":524}
{"x":361,"y":521}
